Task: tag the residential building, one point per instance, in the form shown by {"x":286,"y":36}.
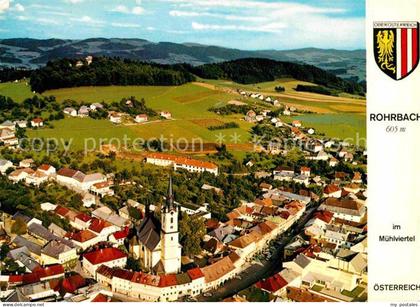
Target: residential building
{"x":178,"y":162}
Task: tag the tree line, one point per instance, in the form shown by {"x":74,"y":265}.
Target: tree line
{"x":106,"y":71}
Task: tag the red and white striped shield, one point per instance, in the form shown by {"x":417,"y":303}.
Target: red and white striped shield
{"x":396,"y":47}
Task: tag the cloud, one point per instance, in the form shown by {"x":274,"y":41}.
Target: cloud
{"x":47,"y":21}
{"x":87,"y":20}
{"x":125,"y":25}
{"x":74,"y":1}
{"x":176,"y":13}
{"x":22,"y":18}
{"x":274,"y":27}
{"x":137,"y":10}
{"x":248,"y":4}
{"x":19,"y":7}
{"x":4,"y":5}
{"x":121,"y":9}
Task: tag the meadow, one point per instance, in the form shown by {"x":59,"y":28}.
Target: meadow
{"x":301,"y":100}
{"x":341,"y":117}
{"x":18,"y":91}
{"x":349,"y":126}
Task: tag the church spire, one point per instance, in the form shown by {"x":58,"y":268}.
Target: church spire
{"x":170,"y":196}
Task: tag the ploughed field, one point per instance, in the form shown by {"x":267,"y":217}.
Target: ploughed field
{"x":342,"y":117}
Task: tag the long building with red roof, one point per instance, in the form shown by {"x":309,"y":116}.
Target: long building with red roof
{"x":179,"y":162}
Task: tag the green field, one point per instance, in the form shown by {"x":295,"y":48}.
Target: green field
{"x":188,"y":104}
{"x":18,"y":91}
{"x":77,"y":131}
{"x":301,"y":100}
{"x":343,"y":126}
{"x":340,"y":117}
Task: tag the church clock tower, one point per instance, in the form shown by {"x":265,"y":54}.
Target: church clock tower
{"x":169,"y":236}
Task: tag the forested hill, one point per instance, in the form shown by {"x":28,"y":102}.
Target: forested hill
{"x":113,"y":71}
{"x":106,"y":71}
{"x":254,"y":70}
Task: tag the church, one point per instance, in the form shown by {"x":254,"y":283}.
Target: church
{"x":156,"y":242}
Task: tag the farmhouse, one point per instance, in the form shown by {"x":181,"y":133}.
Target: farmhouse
{"x":141,"y":118}
{"x":115,"y":117}
{"x":37,"y":122}
{"x":296,"y":124}
{"x":83,"y":111}
{"x":70,"y":111}
{"x":178,"y":162}
{"x":166,"y":114}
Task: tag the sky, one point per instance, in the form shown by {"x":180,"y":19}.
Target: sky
{"x":242,"y":24}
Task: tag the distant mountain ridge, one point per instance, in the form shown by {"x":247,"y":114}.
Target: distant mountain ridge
{"x":33,"y":53}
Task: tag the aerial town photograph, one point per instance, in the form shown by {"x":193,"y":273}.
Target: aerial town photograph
{"x":183,"y":151}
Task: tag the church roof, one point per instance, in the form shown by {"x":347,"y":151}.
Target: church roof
{"x":148,"y":232}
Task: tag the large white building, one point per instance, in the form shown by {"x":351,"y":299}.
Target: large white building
{"x":178,"y":162}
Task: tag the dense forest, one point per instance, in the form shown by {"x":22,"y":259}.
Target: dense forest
{"x":106,"y":71}
{"x":254,"y":70}
{"x":12,"y":74}
{"x":114,"y":71}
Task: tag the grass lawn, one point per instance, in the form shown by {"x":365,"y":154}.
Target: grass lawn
{"x":77,"y":131}
{"x":188,"y":104}
{"x":343,"y":126}
{"x":18,"y":91}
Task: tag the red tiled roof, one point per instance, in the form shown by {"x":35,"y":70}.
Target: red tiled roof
{"x":44,"y":167}
{"x":272,"y":284}
{"x":83,"y":217}
{"x":30,"y":278}
{"x":52,"y":270}
{"x":72,"y":283}
{"x":305,"y":169}
{"x":323,"y":215}
{"x":61,"y":210}
{"x":98,"y":225}
{"x":82,"y":236}
{"x":66,"y":172}
{"x":331,"y":188}
{"x":123,"y":274}
{"x":167,"y":280}
{"x":37,"y":120}
{"x":104,"y":255}
{"x":121,"y":234}
{"x":100,"y":298}
{"x":195,"y":273}
{"x":15,"y":278}
{"x":182,"y":160}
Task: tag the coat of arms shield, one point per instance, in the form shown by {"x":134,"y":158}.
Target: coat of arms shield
{"x":396,"y":47}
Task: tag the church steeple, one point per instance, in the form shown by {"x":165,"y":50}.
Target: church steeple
{"x":170,"y":247}
{"x":169,"y":205}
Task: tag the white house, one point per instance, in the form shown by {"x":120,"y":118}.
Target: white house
{"x":37,"y":122}
{"x":115,"y":117}
{"x":166,"y":114}
{"x":5,"y":165}
{"x":20,"y":174}
{"x":47,"y":169}
{"x":70,"y":111}
{"x":141,"y":118}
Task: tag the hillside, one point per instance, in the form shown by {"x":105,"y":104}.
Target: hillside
{"x":254,"y":70}
{"x":113,"y":71}
{"x":32,"y":53}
